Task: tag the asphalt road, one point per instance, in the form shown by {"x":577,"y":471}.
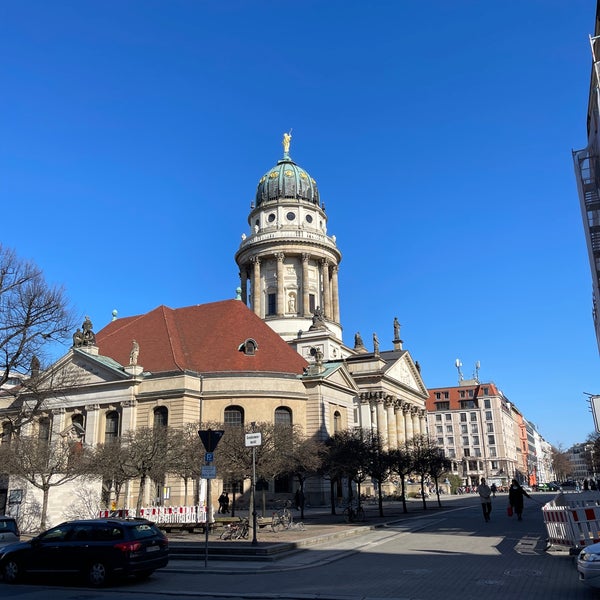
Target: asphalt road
{"x":449,"y":555}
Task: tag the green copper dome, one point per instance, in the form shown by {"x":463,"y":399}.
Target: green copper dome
{"x":286,"y":180}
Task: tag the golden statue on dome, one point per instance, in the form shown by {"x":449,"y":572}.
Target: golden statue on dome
{"x":286,"y":141}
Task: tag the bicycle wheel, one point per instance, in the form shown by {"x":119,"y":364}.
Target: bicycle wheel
{"x":276,"y":524}
{"x":360,"y":514}
{"x":286,"y":518}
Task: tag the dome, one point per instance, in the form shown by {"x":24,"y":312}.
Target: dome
{"x":286,"y":180}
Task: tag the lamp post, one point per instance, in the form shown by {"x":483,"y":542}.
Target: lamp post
{"x":252,"y":440}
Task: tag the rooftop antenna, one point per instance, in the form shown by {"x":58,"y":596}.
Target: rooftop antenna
{"x":476,"y":374}
{"x":458,"y":365}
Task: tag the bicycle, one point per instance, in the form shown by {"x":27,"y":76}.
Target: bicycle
{"x":282,"y":519}
{"x":236,"y":531}
{"x":353,"y":515}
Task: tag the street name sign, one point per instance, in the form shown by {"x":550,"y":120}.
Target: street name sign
{"x":253,"y":439}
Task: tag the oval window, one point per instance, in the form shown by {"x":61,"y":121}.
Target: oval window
{"x":271,"y":218}
{"x":309,"y":219}
{"x":291,"y":216}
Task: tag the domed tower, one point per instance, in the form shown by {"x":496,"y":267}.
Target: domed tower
{"x":288,"y":264}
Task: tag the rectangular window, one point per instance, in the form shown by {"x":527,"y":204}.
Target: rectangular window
{"x":493,"y":453}
{"x":464,"y":429}
{"x":474,"y":428}
{"x":272,"y":304}
{"x":439,"y":429}
{"x":478,"y":452}
{"x":311,"y":303}
{"x":475,"y":440}
{"x":463,"y":417}
{"x":462,"y":394}
{"x":488,"y":415}
{"x":450,"y":441}
{"x":466,"y":452}
{"x":473,"y":416}
{"x":451,"y":453}
{"x":449,"y":429}
{"x":495,"y":464}
{"x":490,"y":427}
{"x":487,"y":402}
{"x":442,"y":406}
{"x":449,"y":417}
{"x":491,"y":440}
{"x":470,"y":393}
{"x":465,"y":440}
{"x":467,"y":404}
{"x":440,"y":441}
{"x":438,"y":396}
{"x":446,"y":395}
{"x":438,"y":417}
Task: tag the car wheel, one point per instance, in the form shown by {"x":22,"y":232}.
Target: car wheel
{"x":97,"y":574}
{"x":11,"y":571}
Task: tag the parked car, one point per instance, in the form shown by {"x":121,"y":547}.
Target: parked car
{"x":588,"y":565}
{"x":9,"y":531}
{"x":98,"y":550}
{"x":549,"y":487}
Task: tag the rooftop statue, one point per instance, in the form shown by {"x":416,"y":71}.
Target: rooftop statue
{"x":286,"y":141}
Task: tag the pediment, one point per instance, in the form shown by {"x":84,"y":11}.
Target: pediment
{"x":405,"y":372}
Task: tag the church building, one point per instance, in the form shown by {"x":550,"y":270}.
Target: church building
{"x":273,"y":354}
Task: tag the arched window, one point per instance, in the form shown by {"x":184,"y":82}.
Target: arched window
{"x":337,"y":422}
{"x":283,"y":416}
{"x":234,"y":415}
{"x":161,"y":416}
{"x":77,"y":419}
{"x":111,"y":433}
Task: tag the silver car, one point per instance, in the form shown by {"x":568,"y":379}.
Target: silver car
{"x":588,"y":565}
{"x":9,"y":531}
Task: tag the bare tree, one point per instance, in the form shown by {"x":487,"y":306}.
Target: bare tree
{"x":43,"y":464}
{"x":33,"y":315}
{"x":402,"y":465}
{"x":561,"y":463}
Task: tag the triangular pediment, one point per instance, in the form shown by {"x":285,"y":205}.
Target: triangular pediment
{"x":405,"y":372}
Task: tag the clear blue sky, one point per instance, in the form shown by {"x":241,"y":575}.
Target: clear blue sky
{"x":133,"y":135}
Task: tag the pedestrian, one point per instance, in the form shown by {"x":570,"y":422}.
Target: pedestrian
{"x":494,"y":490}
{"x":515,"y":498}
{"x":226,"y":503}
{"x":485,"y":493}
{"x":221,"y":501}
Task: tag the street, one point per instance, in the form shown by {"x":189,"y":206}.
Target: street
{"x":453,"y":554}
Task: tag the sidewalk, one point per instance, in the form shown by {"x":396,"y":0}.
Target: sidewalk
{"x":282,"y":550}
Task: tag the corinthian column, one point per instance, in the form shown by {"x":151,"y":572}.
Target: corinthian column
{"x":335,"y":294}
{"x":381,"y":421}
{"x":280,"y":292}
{"x":400,"y":425}
{"x":392,"y":436}
{"x":305,"y":294}
{"x":326,"y":288}
{"x":408,"y":424}
{"x":423,"y":421}
{"x":256,"y":286}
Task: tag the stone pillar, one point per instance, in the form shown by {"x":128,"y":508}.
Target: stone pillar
{"x":280,"y":309}
{"x":415,"y":419}
{"x":423,"y":421}
{"x":400,"y":425}
{"x":128,"y":415}
{"x":92,"y":413}
{"x":408,"y":424}
{"x":58,"y":422}
{"x":244,"y":285}
{"x":256,"y":286}
{"x":305,"y":310}
{"x":392,"y":435}
{"x":335,"y":293}
{"x":382,"y":430}
{"x":326,"y":290}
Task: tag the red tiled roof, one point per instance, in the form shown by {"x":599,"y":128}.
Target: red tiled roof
{"x":204,"y":338}
{"x":454,"y":394}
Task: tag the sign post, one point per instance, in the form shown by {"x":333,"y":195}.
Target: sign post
{"x":252,"y":440}
{"x":210,"y":439}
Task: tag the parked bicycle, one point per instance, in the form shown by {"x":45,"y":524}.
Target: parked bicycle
{"x":353,"y":515}
{"x":282,"y":519}
{"x":236,"y":531}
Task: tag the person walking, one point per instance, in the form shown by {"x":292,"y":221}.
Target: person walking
{"x":222,"y":502}
{"x":485,"y":493}
{"x":516,"y":495}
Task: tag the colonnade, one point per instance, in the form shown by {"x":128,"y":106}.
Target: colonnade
{"x":395,"y":420}
{"x":326,"y":297}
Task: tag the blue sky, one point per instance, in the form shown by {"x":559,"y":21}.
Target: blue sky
{"x":133,"y":135}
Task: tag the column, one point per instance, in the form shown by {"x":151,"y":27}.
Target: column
{"x":128,"y":416}
{"x":423,"y":421}
{"x":58,"y":422}
{"x":92,"y":412}
{"x":280,"y":291}
{"x":408,"y":424}
{"x":415,"y":419}
{"x":256,"y":286}
{"x":381,"y":420}
{"x":244,"y":285}
{"x":335,"y":294}
{"x":400,"y":425}
{"x":326,"y":289}
{"x":392,"y":436}
{"x":305,"y":293}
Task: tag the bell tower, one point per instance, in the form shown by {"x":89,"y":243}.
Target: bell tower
{"x":288,"y":264}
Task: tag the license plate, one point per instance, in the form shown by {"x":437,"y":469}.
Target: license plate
{"x":152,"y":549}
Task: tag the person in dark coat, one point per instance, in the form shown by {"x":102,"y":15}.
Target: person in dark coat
{"x":515,"y":498}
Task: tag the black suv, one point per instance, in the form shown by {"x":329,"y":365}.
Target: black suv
{"x":9,"y":531}
{"x":96,"y":549}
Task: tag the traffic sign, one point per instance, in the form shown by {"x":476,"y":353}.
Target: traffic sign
{"x":208,"y":472}
{"x":210,"y":438}
{"x":253,"y":439}
{"x":209,"y":457}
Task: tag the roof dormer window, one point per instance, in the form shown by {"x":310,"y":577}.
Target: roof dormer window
{"x":249,"y":347}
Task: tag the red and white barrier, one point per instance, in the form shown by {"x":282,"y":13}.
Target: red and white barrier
{"x":162,"y":514}
{"x":573,"y":520}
